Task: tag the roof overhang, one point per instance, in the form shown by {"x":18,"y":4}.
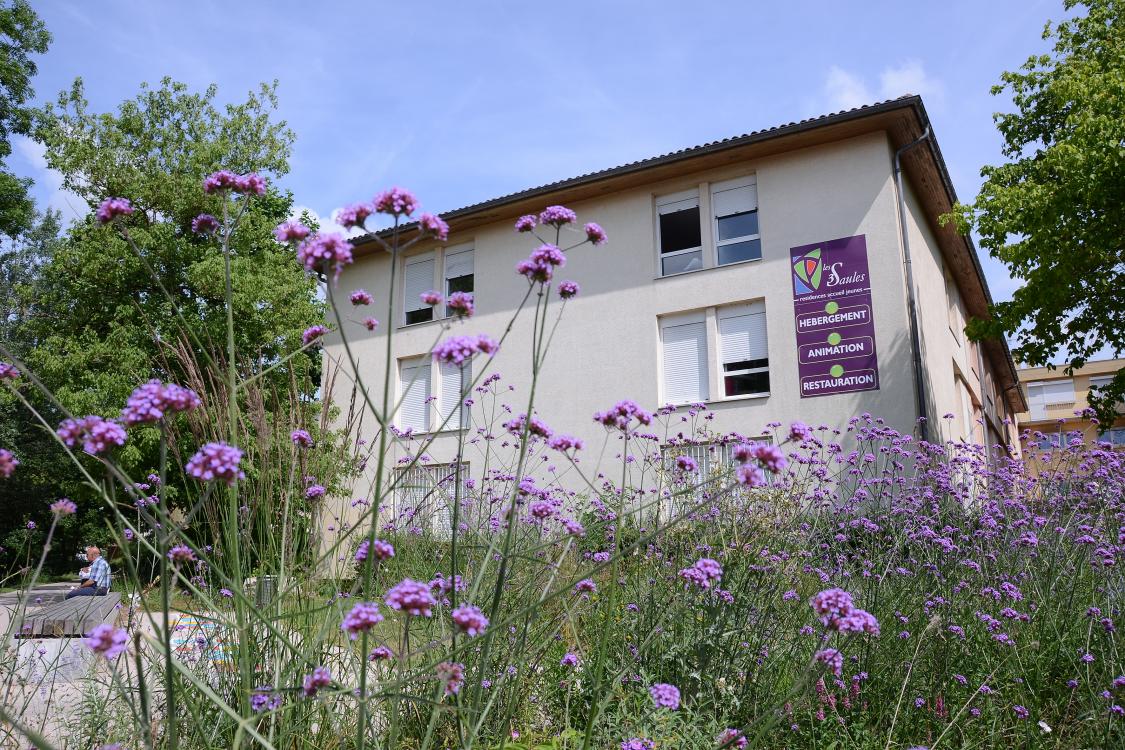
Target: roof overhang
{"x":903,"y":119}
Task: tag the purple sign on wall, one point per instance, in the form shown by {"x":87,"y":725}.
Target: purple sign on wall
{"x":832,"y":307}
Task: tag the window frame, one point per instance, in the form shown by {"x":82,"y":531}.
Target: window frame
{"x":438,"y":487}
{"x":758,"y":307}
{"x":679,"y":320}
{"x":430,"y":256}
{"x":433,"y":397}
{"x":673,"y":199}
{"x":447,"y":253}
{"x":724,"y":186}
{"x":439,"y":280}
{"x":714,"y":386}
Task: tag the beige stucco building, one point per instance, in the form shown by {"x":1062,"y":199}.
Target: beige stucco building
{"x":695,"y":296}
{"x":1056,"y":400}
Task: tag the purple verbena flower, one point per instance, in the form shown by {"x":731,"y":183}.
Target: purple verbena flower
{"x":113,"y":207}
{"x":396,"y":202}
{"x":665,"y":695}
{"x":469,"y":619}
{"x":411,"y":597}
{"x":216,"y":461}
{"x":363,"y":617}
{"x":106,"y":640}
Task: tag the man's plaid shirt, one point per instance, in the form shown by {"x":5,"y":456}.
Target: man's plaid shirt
{"x":99,"y":571}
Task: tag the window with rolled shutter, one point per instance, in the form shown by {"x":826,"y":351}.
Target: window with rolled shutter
{"x":454,"y":380}
{"x":458,"y":273}
{"x":418,"y":279}
{"x":735,"y":206}
{"x":743,"y":350}
{"x":684,"y":341}
{"x":414,"y":411}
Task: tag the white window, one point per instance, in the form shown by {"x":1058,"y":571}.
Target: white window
{"x":418,"y":278}
{"x":420,"y":386}
{"x":1115,"y":436}
{"x":1049,"y":394}
{"x":684,"y":343}
{"x":956,"y":314}
{"x":453,"y":384}
{"x":737,"y":336}
{"x":1098,"y":384}
{"x":678,"y":233}
{"x":458,"y":272}
{"x":424,"y":497}
{"x":743,"y":352}
{"x":735,"y":207}
{"x":714,"y":474}
{"x":414,"y":393}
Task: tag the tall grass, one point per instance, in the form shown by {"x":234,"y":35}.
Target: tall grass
{"x":996,"y":592}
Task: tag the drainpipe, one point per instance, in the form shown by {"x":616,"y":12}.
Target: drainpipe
{"x":911,"y":303}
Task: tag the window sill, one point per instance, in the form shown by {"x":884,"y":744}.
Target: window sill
{"x":708,"y":268}
{"x":405,"y":326}
{"x":434,"y":433}
{"x":726,"y":400}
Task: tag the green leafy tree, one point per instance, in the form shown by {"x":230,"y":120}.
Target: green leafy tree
{"x":98,"y":318}
{"x":22,"y":34}
{"x":1055,"y":212}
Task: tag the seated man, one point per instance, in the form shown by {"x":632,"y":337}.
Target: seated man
{"x":97,"y":581}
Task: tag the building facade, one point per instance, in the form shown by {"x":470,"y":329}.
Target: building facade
{"x":1056,"y":401}
{"x":777,"y":276}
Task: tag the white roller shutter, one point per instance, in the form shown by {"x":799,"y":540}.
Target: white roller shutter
{"x":742,"y":334}
{"x":685,"y":362}
{"x":452,"y":381}
{"x":458,"y":264}
{"x":414,"y":413}
{"x":419,"y":278}
{"x":726,"y":201}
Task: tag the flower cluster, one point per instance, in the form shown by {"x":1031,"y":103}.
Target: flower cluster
{"x":534,"y":426}
{"x":469,"y":619}
{"x":8,"y":463}
{"x":568,"y":289}
{"x":317,"y":681}
{"x":622,"y":414}
{"x":325,"y":252}
{"x":216,"y":461}
{"x":434,"y":226}
{"x":64,"y":507}
{"x":96,"y":434}
{"x":264,"y":699}
{"x":225,"y":179}
{"x":557,"y":216}
{"x":181,"y":553}
{"x":595,"y":234}
{"x":411,"y":597}
{"x":458,"y":349}
{"x":150,"y":402}
{"x":703,"y":572}
{"x":527,"y":223}
{"x":541,"y":264}
{"x":301,"y":438}
{"x":312,"y":333}
{"x":396,"y":202}
{"x":111,"y":208}
{"x":363,"y":617}
{"x":8,"y":371}
{"x":106,"y":640}
{"x":665,"y":695}
{"x":354,"y":215}
{"x":204,"y":224}
{"x":832,"y":658}
{"x":452,"y":675}
{"x":291,"y":231}
{"x":461,"y":304}
{"x":361,"y":297}
{"x":837,"y":611}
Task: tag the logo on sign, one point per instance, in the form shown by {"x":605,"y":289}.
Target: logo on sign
{"x":807,"y":272}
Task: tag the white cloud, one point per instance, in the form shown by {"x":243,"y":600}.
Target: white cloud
{"x":909,"y":78}
{"x":844,"y":89}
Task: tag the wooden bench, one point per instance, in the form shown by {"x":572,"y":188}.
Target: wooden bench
{"x":70,"y":618}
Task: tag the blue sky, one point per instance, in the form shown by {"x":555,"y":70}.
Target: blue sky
{"x":465,"y":101}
